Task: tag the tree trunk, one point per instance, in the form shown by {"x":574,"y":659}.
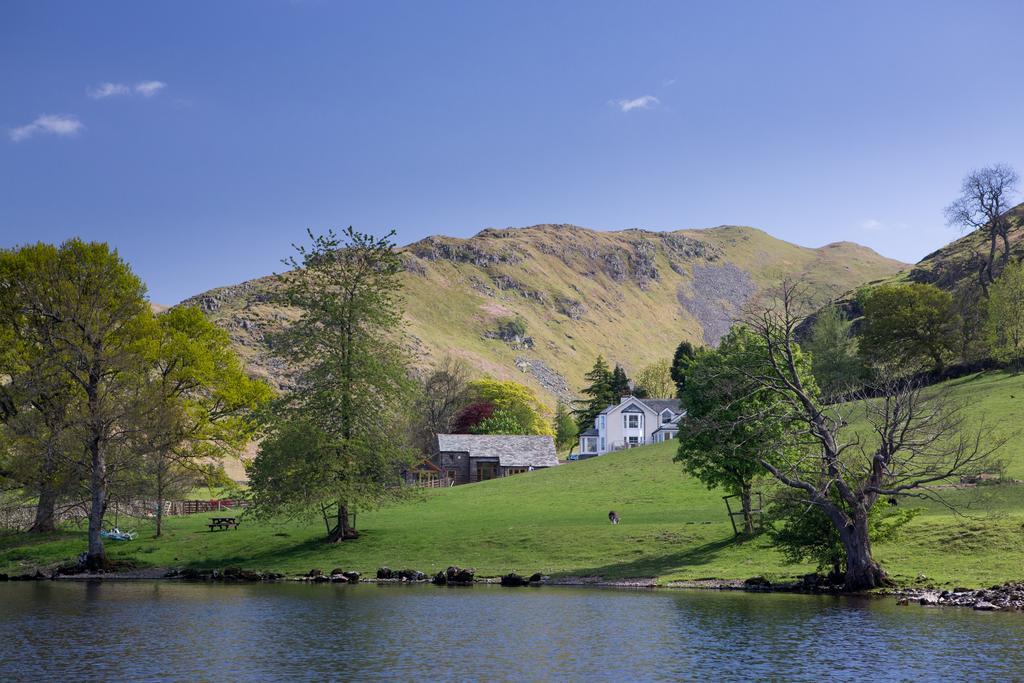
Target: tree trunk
{"x":96,"y":558}
{"x":990,"y":267}
{"x":159,"y":499}
{"x":342,"y":531}
{"x":44,"y":521}
{"x":862,"y":572}
{"x":748,"y":518}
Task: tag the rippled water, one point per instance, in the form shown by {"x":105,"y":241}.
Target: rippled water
{"x":171,"y":631}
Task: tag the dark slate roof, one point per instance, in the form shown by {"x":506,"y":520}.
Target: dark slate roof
{"x":660,"y":404}
{"x":511,"y":451}
{"x":589,"y":432}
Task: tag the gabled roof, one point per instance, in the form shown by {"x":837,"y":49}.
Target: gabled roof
{"x":661,"y":404}
{"x":657,"y":405}
{"x":510,"y":451}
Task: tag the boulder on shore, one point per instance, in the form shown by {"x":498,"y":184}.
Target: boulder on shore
{"x":454,"y":576}
{"x":513,"y":580}
{"x":385,"y":573}
{"x":756,"y":583}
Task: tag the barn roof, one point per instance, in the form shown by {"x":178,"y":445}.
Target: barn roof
{"x":511,"y":451}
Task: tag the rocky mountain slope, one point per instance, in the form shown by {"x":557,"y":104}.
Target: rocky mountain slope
{"x":631,"y":295}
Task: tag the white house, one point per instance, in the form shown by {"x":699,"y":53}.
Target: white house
{"x":633,"y":422}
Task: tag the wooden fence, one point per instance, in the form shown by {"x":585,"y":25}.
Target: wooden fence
{"x":20,"y":517}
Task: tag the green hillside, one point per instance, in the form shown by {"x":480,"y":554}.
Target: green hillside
{"x":631,"y":295}
{"x":555,"y":521}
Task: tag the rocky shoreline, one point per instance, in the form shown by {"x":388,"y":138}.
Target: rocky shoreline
{"x":1006,"y":597}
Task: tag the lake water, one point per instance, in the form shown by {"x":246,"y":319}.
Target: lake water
{"x":173,"y":631}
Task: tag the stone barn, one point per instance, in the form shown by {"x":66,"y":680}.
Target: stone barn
{"x":468,"y":458}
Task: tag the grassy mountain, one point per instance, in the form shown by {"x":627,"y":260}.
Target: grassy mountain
{"x":631,"y":295}
{"x":555,"y":521}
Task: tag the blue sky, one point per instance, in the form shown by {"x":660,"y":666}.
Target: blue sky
{"x":203,"y":138}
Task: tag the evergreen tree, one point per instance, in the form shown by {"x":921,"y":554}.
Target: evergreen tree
{"x":681,"y":360}
{"x":620,"y":385}
{"x":599,"y":393}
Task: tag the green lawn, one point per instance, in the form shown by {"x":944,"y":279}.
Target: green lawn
{"x":555,"y":521}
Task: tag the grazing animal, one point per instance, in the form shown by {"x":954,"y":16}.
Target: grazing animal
{"x":613,"y":517}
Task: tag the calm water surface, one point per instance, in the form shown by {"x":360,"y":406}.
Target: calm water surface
{"x":169,"y":631}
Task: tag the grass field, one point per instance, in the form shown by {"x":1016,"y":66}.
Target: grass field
{"x":555,"y":521}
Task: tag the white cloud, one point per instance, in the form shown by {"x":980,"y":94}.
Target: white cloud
{"x":872,"y":224}
{"x":144,"y":88}
{"x":645,"y":102}
{"x":53,"y":124}
{"x":149,"y":88}
{"x":108,"y":90}
{"x":668,"y":82}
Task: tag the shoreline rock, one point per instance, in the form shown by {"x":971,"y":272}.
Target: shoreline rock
{"x":1008,"y":597}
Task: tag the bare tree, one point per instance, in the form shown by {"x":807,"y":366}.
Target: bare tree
{"x":985,"y":197}
{"x":444,"y":392}
{"x":919,"y":438}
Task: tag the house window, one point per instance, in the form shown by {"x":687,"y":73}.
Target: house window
{"x":601,"y":447}
{"x":600,"y":424}
{"x":634,"y":441}
{"x":631,"y":420}
{"x":666,"y":417}
{"x":589,"y":444}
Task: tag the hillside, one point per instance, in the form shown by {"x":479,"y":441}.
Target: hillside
{"x":951,"y":266}
{"x":631,"y":295}
{"x":555,"y":521}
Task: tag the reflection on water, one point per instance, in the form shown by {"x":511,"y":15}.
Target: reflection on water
{"x":170,"y":631}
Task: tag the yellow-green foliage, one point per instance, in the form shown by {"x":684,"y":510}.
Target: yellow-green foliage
{"x":515,"y":400}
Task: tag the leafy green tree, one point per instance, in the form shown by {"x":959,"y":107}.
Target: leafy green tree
{"x":909,"y":325}
{"x":564,"y":426}
{"x":599,"y":392}
{"x":82,"y":307}
{"x":1006,"y":315}
{"x":207,"y":403}
{"x":37,"y":408}
{"x":339,"y":439}
{"x":973,"y":316}
{"x":836,"y":365}
{"x":731,"y":424}
{"x":518,"y":402}
{"x":656,"y":380}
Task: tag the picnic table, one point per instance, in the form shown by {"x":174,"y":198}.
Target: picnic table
{"x":218,"y":523}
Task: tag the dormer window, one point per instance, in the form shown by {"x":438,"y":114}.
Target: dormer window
{"x":666,"y":417}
